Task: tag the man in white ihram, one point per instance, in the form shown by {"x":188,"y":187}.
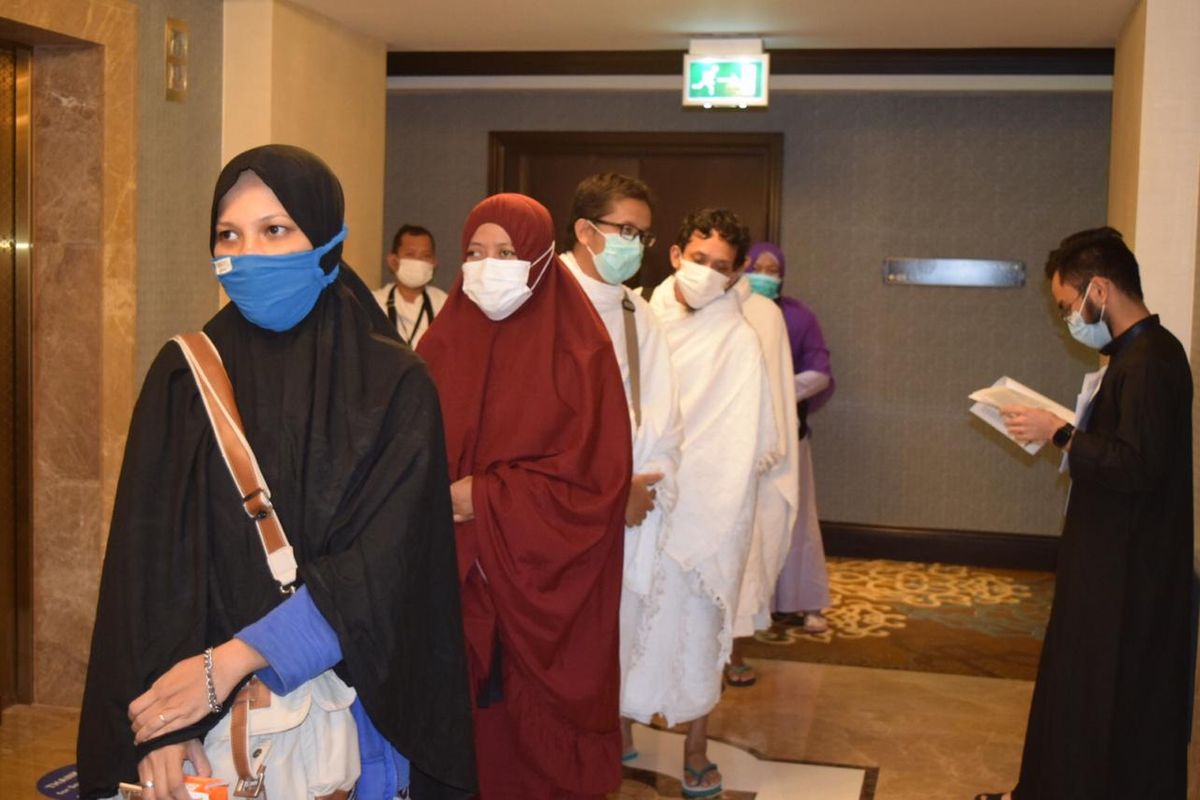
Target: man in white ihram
{"x":729,"y":436}
{"x":607,"y":232}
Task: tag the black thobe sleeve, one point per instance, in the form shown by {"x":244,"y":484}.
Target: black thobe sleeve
{"x":1137,"y":454}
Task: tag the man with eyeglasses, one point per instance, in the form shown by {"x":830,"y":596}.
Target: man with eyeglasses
{"x":1110,"y":712}
{"x":607,"y":232}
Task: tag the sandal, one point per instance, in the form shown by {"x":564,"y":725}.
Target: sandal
{"x":740,"y":675}
{"x":813,"y":622}
{"x":697,"y":776}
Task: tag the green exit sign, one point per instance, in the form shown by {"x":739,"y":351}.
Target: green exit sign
{"x":725,"y":81}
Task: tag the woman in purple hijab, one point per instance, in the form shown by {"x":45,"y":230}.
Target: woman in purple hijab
{"x":803,"y":588}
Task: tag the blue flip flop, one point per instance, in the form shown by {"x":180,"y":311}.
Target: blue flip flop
{"x":631,"y":755}
{"x":740,"y":676}
{"x":698,"y":777}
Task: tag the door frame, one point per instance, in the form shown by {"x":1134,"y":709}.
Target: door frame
{"x":507,"y":147}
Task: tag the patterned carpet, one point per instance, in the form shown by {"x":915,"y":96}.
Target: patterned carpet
{"x":925,"y":617}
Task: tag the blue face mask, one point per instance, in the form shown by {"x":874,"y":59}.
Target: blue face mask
{"x":766,"y":285}
{"x":1094,"y":334}
{"x":276,"y":292}
{"x":619,"y":260}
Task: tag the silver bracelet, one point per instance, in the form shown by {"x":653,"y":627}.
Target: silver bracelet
{"x":213,"y":705}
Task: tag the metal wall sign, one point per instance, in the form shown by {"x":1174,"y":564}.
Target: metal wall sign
{"x":986,"y":273}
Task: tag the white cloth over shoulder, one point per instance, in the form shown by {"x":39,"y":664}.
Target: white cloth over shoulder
{"x":729,"y":430}
{"x":408,"y":314}
{"x":778,"y":497}
{"x":655,"y":664}
{"x":657,"y":440}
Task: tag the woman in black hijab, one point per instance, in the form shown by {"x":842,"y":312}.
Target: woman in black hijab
{"x":346,"y":427}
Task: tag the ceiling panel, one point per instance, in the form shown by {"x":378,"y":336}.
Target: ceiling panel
{"x":507,"y":25}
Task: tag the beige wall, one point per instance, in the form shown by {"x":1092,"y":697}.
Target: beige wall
{"x":1156,"y":152}
{"x":318,"y":86}
{"x":1127,"y":125}
{"x":1154,"y":194}
{"x":1194,"y":760}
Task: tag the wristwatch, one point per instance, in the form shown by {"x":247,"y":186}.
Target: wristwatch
{"x":1063,"y":435}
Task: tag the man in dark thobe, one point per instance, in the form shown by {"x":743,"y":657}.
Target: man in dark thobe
{"x":1110,"y":711}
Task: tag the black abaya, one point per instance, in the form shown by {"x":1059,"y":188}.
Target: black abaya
{"x":346,"y":425}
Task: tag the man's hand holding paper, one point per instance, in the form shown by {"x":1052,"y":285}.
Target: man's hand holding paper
{"x":1023,"y":415}
{"x":1030,"y":425}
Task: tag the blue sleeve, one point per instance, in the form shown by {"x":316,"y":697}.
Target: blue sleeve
{"x":296,"y":641}
{"x":384,"y":770}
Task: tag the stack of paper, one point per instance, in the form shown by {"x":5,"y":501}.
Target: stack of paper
{"x":1007,"y":392}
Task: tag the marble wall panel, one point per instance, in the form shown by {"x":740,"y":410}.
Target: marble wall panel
{"x":67,"y":360}
{"x":84,"y":298}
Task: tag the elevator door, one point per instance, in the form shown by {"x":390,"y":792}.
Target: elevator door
{"x":14,"y":122}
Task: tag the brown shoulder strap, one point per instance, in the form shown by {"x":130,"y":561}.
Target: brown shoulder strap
{"x":217,"y":393}
{"x":631,"y":354}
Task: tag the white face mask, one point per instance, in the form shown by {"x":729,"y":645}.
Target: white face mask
{"x":700,"y":284}
{"x":498,"y":285}
{"x":414,"y":273}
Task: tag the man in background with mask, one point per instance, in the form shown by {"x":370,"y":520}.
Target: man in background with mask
{"x":1110,"y":713}
{"x":729,"y":439}
{"x":409,"y":301}
{"x":607,"y":231}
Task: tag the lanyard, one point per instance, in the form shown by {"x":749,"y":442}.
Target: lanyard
{"x":425,"y":312}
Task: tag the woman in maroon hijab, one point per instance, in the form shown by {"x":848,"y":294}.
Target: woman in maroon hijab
{"x":537,"y":433}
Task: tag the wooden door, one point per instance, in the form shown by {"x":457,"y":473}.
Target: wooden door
{"x":685,"y":172}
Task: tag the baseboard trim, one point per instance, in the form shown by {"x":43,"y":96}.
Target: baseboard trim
{"x":969,"y":548}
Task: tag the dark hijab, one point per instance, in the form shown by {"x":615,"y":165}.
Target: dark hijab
{"x":346,"y":426}
{"x":305,"y":186}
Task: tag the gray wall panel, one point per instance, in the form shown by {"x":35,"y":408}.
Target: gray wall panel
{"x":866,"y":176}
{"x":179,"y":156}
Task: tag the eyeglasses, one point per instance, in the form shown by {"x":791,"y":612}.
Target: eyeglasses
{"x":1078,"y":296}
{"x":629,"y":233}
{"x":1070,"y":309}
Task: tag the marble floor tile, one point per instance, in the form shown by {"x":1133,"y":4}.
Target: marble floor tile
{"x":33,"y":741}
{"x":930,"y":736}
{"x":744,"y":774}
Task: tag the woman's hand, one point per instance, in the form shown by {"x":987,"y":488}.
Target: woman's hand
{"x":161,"y":772}
{"x":180,"y":696}
{"x":641,"y":497}
{"x":460,"y":499}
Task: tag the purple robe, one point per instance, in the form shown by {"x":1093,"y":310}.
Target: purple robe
{"x":804,"y":581}
{"x":804,"y":332}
